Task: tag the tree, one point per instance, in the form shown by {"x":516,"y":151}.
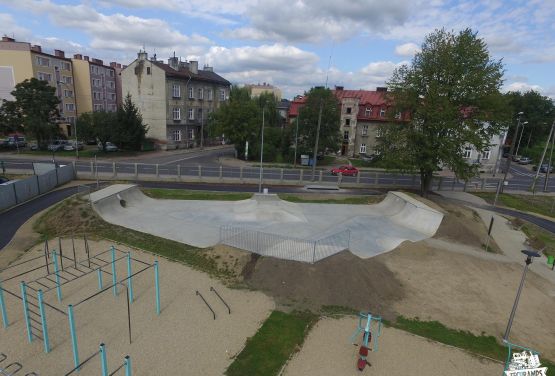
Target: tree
{"x":98,"y":125}
{"x":36,"y":107}
{"x":129,"y":126}
{"x":330,"y":137}
{"x":450,"y":94}
{"x":10,"y":118}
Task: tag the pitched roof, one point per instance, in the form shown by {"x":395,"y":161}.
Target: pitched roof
{"x":366,"y":97}
{"x":185,"y":73}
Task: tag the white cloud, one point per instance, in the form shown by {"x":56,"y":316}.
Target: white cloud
{"x":522,"y":86}
{"x":407,"y":49}
{"x":9,"y":27}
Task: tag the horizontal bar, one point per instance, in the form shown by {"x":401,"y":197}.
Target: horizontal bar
{"x":42,"y":284}
{"x":35,"y":320}
{"x":117,"y":369}
{"x":140,"y":261}
{"x":21,"y":263}
{"x":28,"y":271}
{"x":83,"y":363}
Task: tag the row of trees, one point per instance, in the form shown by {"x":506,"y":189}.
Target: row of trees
{"x":35,"y":111}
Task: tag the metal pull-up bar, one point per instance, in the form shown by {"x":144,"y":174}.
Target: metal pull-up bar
{"x":222,"y":299}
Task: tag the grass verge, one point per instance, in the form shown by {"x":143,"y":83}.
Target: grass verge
{"x":281,"y":335}
{"x":183,"y":194}
{"x":539,"y":239}
{"x":544,"y":205}
{"x":358,"y":200}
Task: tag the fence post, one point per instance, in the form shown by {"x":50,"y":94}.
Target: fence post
{"x":56,"y":171}
{"x":42,"y":312}
{"x":358,"y":177}
{"x":281,"y":176}
{"x":320,"y":177}
{"x":241,"y":173}
{"x":15,"y":193}
{"x":114,"y":169}
{"x":74,"y":169}
{"x":136,"y":171}
{"x":73,"y":335}
{"x":465,"y":183}
{"x":129,"y":281}
{"x":179,"y":172}
{"x":199,"y":172}
{"x":221,"y":172}
{"x":127,"y":366}
{"x":301,"y":176}
{"x":314,"y":252}
{"x":103,"y":362}
{"x":114,"y":277}
{"x":57,"y":274}
{"x":339,"y":178}
{"x":5,"y":322}
{"x":375,"y":178}
{"x":157,"y":286}
{"x":257,"y":240}
{"x":26,"y":311}
{"x":157,"y":171}
{"x":483,"y":183}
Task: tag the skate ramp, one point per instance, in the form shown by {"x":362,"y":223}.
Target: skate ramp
{"x":373,"y":229}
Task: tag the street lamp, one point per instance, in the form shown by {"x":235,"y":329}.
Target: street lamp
{"x":521,"y":133}
{"x":528,"y":261}
{"x":261,"y":153}
{"x":510,"y":158}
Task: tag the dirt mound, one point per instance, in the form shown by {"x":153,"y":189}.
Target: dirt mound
{"x":341,"y":280}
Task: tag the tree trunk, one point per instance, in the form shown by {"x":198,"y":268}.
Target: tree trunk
{"x":425,"y":182}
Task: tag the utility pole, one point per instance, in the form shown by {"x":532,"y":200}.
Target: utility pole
{"x":543,"y":156}
{"x":510,"y":158}
{"x":296,"y":138}
{"x":521,"y":133}
{"x":317,"y":139}
{"x":548,"y":171}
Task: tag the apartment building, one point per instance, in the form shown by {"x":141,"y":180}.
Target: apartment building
{"x":21,"y":60}
{"x":96,"y":84}
{"x":258,"y":89}
{"x":175,"y":99}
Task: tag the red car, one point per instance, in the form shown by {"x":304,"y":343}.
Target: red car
{"x":345,"y":171}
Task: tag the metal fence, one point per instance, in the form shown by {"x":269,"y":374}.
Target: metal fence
{"x":25,"y":189}
{"x":284,"y":247}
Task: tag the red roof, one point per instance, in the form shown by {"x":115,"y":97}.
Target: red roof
{"x":296,"y":105}
{"x":366,"y":97}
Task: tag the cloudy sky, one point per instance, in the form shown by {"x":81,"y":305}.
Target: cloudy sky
{"x":292,"y":44}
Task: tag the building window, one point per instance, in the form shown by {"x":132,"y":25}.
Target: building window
{"x":210,"y":94}
{"x":349,"y":109}
{"x":111,"y":73}
{"x":222,"y":94}
{"x":111,"y":84}
{"x":66,"y":66}
{"x":113,"y":96}
{"x":365,"y":130}
{"x":68,"y":93}
{"x":382,"y":112}
{"x":191,"y":114}
{"x":44,"y":76}
{"x":191,"y":134}
{"x":346,"y":136}
{"x":70,"y":119}
{"x":177,"y":135}
{"x":191,"y":92}
{"x":347,"y":122}
{"x":98,"y":107}
{"x":147,"y":70}
{"x":67,"y":80}
{"x":467,"y":154}
{"x":176,"y":91}
{"x":176,"y":113}
{"x":97,"y":95}
{"x":70,"y":107}
{"x":486,"y":154}
{"x":362,"y":148}
{"x":43,"y":62}
{"x":368,"y":112}
{"x":379,"y":132}
{"x":200,"y":93}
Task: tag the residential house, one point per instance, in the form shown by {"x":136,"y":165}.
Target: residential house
{"x":175,"y":99}
{"x":20,"y":61}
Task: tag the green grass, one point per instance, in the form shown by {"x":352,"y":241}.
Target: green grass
{"x":359,"y":200}
{"x":281,"y":335}
{"x":183,"y":194}
{"x":540,"y":238}
{"x":544,"y":205}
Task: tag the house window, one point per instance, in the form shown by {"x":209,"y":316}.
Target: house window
{"x":467,"y":154}
{"x":66,"y":66}
{"x":191,"y":114}
{"x":222,"y":94}
{"x":111,"y":84}
{"x":347,"y":122}
{"x":362,"y":148}
{"x":98,"y":107}
{"x":199,"y":113}
{"x":200,"y":93}
{"x":210,"y":94}
{"x":176,"y":90}
{"x":111,"y":73}
{"x":364,"y":130}
{"x":67,"y":79}
{"x":368,"y":112}
{"x":348,"y":110}
{"x":97,"y":95}
{"x":379,"y":132}
{"x":382,"y":112}
{"x":68,"y":93}
{"x":147,"y":70}
{"x":486,"y":154}
{"x":113,"y":96}
{"x":70,"y":107}
{"x":177,"y":135}
{"x":177,"y":113}
{"x":70,"y":119}
{"x":44,"y":76}
{"x":346,"y":136}
{"x":42,"y":61}
{"x":191,"y":93}
{"x":191,"y":134}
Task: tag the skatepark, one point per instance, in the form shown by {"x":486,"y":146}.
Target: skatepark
{"x":371,"y":229}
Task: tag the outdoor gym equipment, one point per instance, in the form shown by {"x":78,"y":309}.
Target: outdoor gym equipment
{"x":222,"y":299}
{"x":12,"y":368}
{"x":365,"y":325}
{"x":208,"y":305}
{"x":126,"y":365}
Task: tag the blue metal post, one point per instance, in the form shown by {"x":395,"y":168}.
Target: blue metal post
{"x":114,"y":277}
{"x":157,"y":284}
{"x":73,"y":335}
{"x":5,"y":322}
{"x":103,"y":362}
{"x":129,"y":281}
{"x":127,"y":363}
{"x":43,"y":322}
{"x":99,"y":272}
{"x":26,"y":311}
{"x":57,"y":272}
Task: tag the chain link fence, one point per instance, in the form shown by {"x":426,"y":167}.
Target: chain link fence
{"x":284,"y":247}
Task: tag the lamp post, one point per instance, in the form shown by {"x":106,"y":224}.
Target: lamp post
{"x":296,"y":139}
{"x":527,"y":262}
{"x":261,"y":153}
{"x":521,"y":133}
{"x":513,"y":142}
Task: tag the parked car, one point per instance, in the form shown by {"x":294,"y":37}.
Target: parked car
{"x":108,"y":146}
{"x":345,"y":171}
{"x":14,"y":142}
{"x":544,"y":168}
{"x":516,"y":158}
{"x":368,"y":158}
{"x":524,"y":160}
{"x":70,"y":146}
{"x":34,"y":146}
{"x":57,"y":145}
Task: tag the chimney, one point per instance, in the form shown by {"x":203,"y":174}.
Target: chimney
{"x":193,"y":66}
{"x":7,"y":39}
{"x":142,"y":55}
{"x":118,"y":65}
{"x":86,"y":58}
{"x":36,"y":48}
{"x":183,"y":64}
{"x":173,"y":62}
{"x":208,"y":69}
{"x":78,"y":57}
{"x":113,"y":64}
{"x":381,"y":89}
{"x":59,"y":53}
{"x":339,"y":88}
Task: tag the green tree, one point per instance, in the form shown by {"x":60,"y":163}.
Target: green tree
{"x":10,"y":118}
{"x":98,"y":125}
{"x":130,"y":128}
{"x":36,"y":107}
{"x":330,"y":137}
{"x":450,"y":93}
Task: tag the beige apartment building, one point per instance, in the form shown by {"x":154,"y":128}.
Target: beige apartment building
{"x":258,"y":89}
{"x":20,"y":61}
{"x":175,"y":99}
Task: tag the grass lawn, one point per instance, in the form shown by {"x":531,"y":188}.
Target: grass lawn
{"x":539,"y":204}
{"x":183,"y":194}
{"x":281,"y":335}
{"x":357,"y":200}
{"x":540,"y":238}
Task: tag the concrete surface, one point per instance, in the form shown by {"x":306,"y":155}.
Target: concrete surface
{"x":374,"y":228}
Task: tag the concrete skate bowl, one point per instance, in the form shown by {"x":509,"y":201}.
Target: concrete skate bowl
{"x":271,"y":227}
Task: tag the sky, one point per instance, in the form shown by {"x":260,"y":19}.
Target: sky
{"x":294,"y":44}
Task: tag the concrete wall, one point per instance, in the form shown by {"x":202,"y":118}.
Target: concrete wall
{"x":148,"y":92}
{"x":82,"y":79}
